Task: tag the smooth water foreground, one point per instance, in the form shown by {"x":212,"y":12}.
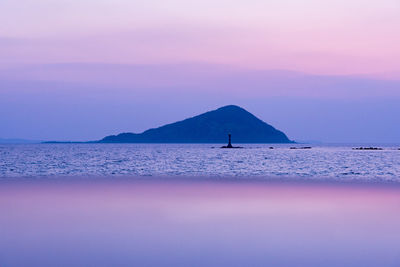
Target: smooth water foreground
{"x":138,"y":222}
{"x":331,"y":162}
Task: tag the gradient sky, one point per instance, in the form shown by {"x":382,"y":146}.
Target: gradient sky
{"x":345,"y":54}
{"x":333,"y":36}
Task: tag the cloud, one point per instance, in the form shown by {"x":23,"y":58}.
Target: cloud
{"x":203,"y":78}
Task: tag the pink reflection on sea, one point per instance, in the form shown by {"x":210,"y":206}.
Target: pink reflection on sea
{"x":198,"y":223}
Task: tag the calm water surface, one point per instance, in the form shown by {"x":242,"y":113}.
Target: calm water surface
{"x":332,"y":162}
{"x":198,"y":223}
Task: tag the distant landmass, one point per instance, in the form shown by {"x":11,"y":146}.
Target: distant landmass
{"x":18,"y":141}
{"x":210,"y":127}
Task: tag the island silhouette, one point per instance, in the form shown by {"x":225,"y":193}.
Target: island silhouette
{"x":210,"y":127}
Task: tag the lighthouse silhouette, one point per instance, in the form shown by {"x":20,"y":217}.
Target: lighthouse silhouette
{"x":229,"y":142}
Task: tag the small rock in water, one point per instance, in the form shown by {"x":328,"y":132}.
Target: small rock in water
{"x":367,"y":148}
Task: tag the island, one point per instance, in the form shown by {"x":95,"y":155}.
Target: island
{"x":210,"y":127}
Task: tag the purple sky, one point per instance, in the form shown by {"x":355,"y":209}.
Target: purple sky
{"x":318,"y":70}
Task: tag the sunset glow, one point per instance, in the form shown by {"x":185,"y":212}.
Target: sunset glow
{"x":329,"y":37}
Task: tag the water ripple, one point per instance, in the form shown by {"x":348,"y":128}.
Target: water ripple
{"x":338,"y":162}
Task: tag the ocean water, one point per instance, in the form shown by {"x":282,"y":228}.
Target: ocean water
{"x":198,"y":223}
{"x":215,"y":221}
{"x":337,"y":162}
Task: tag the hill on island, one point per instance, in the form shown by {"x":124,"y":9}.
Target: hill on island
{"x":210,"y":127}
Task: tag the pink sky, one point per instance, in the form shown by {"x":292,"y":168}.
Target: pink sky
{"x":323,"y":37}
{"x":130,"y":65}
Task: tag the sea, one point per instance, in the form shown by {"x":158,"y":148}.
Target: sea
{"x":199,"y":205}
{"x":338,"y":162}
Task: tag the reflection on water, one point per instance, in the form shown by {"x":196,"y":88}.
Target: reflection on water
{"x":196,"y":223}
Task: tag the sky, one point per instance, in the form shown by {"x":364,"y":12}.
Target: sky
{"x":317,"y":70}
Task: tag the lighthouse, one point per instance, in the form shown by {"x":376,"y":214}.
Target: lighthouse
{"x":229,"y":142}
